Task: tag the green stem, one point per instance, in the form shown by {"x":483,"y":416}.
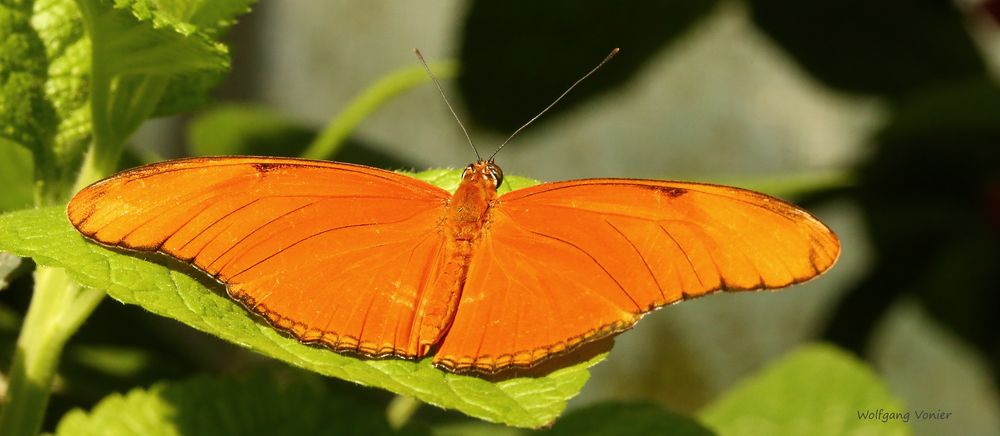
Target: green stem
{"x":105,"y":149}
{"x":332,"y":137}
{"x":58,"y":307}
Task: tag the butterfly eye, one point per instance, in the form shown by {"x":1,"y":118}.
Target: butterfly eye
{"x":496,"y":172}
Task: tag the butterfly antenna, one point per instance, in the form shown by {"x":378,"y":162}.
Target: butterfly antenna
{"x":606,"y":59}
{"x":446,"y":102}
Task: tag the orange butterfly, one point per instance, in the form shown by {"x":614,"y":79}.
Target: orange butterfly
{"x":373,"y":262}
{"x":370,"y":261}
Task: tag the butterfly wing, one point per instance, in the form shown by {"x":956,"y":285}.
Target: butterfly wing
{"x":332,"y":253}
{"x":565,"y":263}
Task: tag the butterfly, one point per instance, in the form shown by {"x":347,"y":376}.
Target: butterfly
{"x":371,"y":262}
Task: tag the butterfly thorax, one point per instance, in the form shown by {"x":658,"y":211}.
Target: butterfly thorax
{"x":469,"y":207}
{"x":467,"y":213}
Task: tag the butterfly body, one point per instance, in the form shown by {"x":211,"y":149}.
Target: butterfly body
{"x":376,"y":263}
{"x":466,"y":214}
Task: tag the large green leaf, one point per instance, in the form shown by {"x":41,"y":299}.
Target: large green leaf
{"x":259,"y":405}
{"x":168,"y":289}
{"x":817,"y":390}
{"x":152,"y":58}
{"x":72,"y":73}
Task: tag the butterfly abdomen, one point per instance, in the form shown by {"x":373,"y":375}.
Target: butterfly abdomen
{"x":437,"y":309}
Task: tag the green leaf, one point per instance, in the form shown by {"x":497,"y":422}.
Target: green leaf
{"x":205,"y":406}
{"x":449,"y":180}
{"x":16,"y":176}
{"x":208,"y":19}
{"x":817,"y":390}
{"x":30,"y":114}
{"x":626,"y":418}
{"x":148,"y":58}
{"x":139,"y":49}
{"x":73,"y":73}
{"x":168,"y":289}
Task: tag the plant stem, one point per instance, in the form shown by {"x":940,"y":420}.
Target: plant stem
{"x":332,"y":137}
{"x":105,"y":149}
{"x":58,"y":307}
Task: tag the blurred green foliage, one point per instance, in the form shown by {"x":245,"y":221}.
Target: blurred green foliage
{"x":259,"y":405}
{"x":818,"y":389}
{"x":928,"y":189}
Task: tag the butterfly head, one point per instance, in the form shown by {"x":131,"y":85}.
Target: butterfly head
{"x":484,"y":171}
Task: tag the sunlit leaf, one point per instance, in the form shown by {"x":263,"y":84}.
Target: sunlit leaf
{"x":817,"y":390}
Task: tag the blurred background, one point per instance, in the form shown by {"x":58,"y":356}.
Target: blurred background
{"x":881,"y":117}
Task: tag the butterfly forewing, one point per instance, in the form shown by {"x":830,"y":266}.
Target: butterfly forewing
{"x":333,"y":253}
